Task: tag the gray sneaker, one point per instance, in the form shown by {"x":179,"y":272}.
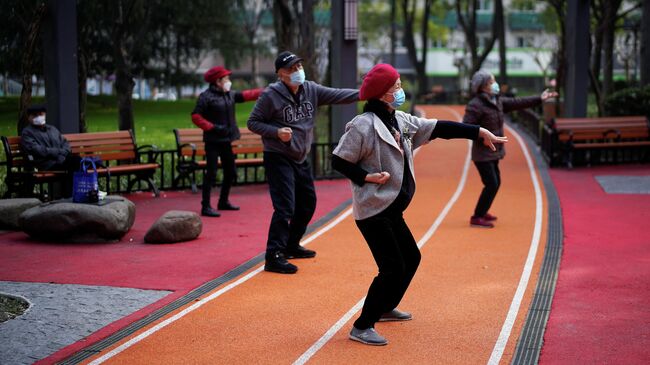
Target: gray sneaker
{"x":395,"y":315}
{"x":368,"y":336}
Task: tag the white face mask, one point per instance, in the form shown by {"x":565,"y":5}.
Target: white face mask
{"x":39,"y":120}
{"x":226,"y":86}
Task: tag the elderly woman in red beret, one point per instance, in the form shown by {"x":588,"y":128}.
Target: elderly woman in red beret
{"x":376,"y":154}
{"x":215,"y":115}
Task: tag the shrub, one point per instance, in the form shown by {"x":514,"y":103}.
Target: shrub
{"x":630,"y":101}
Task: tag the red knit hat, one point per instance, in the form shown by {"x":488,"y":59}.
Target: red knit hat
{"x":378,"y":81}
{"x":216,"y":73}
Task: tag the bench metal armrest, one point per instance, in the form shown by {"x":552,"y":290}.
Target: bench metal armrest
{"x":149,"y":150}
{"x":192,"y":146}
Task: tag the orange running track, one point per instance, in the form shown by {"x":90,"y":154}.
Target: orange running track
{"x":468,"y":298}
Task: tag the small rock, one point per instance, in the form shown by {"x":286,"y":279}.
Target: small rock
{"x":175,"y":226}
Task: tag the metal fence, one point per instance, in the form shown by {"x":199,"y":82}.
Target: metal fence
{"x":320,"y":158}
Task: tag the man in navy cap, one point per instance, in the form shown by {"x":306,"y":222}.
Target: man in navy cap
{"x":46,"y":149}
{"x":284,"y":116}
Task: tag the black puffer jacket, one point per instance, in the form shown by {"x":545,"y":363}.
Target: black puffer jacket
{"x":485,"y":113}
{"x":44,"y":146}
{"x":218,"y":108}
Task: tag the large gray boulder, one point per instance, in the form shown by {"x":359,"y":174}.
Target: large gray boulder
{"x":175,"y":226}
{"x":65,"y":221}
{"x":11,"y":209}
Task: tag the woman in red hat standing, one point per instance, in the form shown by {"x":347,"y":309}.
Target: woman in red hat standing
{"x":376,"y":154}
{"x":215,"y":115}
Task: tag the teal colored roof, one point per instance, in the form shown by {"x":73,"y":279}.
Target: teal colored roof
{"x":520,"y":20}
{"x":321,"y":18}
{"x":483,"y":20}
{"x":525,"y":21}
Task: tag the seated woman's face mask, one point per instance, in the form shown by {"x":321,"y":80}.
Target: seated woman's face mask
{"x":39,"y":120}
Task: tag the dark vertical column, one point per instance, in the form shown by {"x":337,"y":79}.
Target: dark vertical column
{"x":60,"y":62}
{"x":343,"y":61}
{"x":577,"y":51}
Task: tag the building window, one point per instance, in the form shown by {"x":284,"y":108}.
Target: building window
{"x":524,"y":41}
{"x":485,"y":5}
{"x":525,"y":5}
{"x":438,"y":43}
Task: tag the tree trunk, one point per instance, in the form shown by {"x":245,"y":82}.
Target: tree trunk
{"x":469,"y":29}
{"x":500,"y":25}
{"x":123,"y":86}
{"x":33,"y":33}
{"x":597,"y":54}
{"x":609,"y":28}
{"x":560,"y":71}
{"x":283,"y":24}
{"x":178,"y":71}
{"x":645,"y":45}
{"x":124,"y":89}
{"x":83,"y":92}
{"x":306,"y":41}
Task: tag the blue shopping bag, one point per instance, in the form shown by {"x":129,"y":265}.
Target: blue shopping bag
{"x":84,"y":182}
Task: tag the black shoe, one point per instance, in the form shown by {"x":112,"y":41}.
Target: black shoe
{"x":277,"y":263}
{"x":299,"y":252}
{"x":210,"y":212}
{"x":227,"y":206}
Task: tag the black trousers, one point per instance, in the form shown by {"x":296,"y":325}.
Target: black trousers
{"x":397,"y":256}
{"x":291,"y":186}
{"x":214,"y":152}
{"x":491,"y":178}
{"x":70,"y":165}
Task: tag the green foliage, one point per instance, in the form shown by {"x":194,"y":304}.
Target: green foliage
{"x":630,"y":101}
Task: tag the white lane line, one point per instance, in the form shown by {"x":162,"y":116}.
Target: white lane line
{"x":502,"y":341}
{"x":209,"y":298}
{"x":311,"y":351}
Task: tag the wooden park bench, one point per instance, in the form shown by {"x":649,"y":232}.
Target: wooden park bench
{"x":117,"y":150}
{"x":248,"y":152}
{"x":119,"y":155}
{"x":593,"y":136}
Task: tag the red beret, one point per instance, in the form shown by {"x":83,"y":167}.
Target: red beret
{"x":378,"y":81}
{"x":216,"y":73}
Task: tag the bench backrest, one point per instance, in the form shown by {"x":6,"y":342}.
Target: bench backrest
{"x":13,"y":151}
{"x":635,"y":127}
{"x":109,"y":146}
{"x":249,"y":142}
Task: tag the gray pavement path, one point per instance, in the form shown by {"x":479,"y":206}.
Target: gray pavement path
{"x":62,"y":314}
{"x":621,"y":184}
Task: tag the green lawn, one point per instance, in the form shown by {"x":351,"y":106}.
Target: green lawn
{"x":154,"y":120}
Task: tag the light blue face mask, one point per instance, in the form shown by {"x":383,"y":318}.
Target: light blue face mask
{"x":298,"y":77}
{"x":495,"y":88}
{"x":400,"y":98}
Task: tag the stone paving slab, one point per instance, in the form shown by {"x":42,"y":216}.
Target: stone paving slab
{"x":622,"y":184}
{"x":62,"y":314}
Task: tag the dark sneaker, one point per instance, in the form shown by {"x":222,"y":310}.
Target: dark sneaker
{"x":395,"y":315}
{"x":278,"y":263}
{"x":368,"y":336}
{"x":227,"y":206}
{"x":490,"y":217}
{"x":299,"y":253}
{"x":480,"y":222}
{"x":210,"y":212}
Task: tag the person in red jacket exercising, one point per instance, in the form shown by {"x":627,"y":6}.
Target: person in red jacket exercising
{"x":215,"y":115}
